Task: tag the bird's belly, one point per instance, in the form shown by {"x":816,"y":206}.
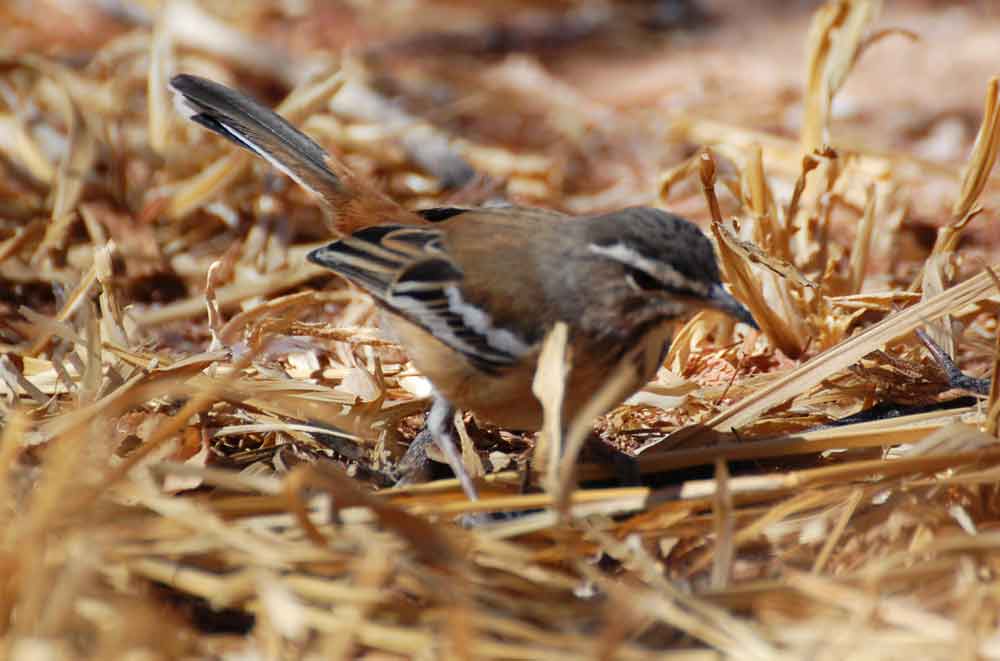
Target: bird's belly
{"x":506,"y":399}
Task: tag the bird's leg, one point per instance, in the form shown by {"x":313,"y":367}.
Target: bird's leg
{"x":414,"y":466}
{"x":440,"y":429}
{"x":440,"y":424}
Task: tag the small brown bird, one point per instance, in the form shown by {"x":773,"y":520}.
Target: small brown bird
{"x":471,"y":293}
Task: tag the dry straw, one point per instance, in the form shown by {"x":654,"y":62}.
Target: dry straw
{"x":199,"y":428}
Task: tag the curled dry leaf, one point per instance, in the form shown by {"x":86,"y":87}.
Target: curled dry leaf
{"x":755,"y":255}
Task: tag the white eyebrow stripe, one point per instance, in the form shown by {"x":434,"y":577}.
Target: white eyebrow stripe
{"x":662,"y":271}
{"x":621,"y":252}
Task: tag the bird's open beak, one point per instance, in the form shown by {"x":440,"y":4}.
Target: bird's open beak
{"x":723,"y":300}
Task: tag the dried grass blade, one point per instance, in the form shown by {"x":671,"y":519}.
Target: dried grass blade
{"x":427,"y":540}
{"x":760,"y":201}
{"x":212,"y":306}
{"x":21,"y":147}
{"x":934,"y":279}
{"x":892,"y":610}
{"x":549,"y":386}
{"x":707,"y":174}
{"x":201,"y":400}
{"x":848,"y":509}
{"x":662,"y":600}
{"x":676,"y":174}
{"x":57,"y":229}
{"x":686,"y":339}
{"x":305,"y":100}
{"x":994,"y":395}
{"x":849,"y":41}
{"x":158,"y":102}
{"x":191,"y":26}
{"x":614,"y":389}
{"x":202,"y":187}
{"x":90,"y":383}
{"x":371,"y":572}
{"x":984,"y":153}
{"x":724,"y":524}
{"x":845,"y":354}
{"x":817,"y":93}
{"x":73,"y":302}
{"x":836,"y":37}
{"x":862,"y":244}
{"x":16,"y":381}
{"x":286,"y":305}
{"x":737,"y":270}
{"x":112,"y":323}
{"x":893,"y":431}
{"x":14,"y":428}
{"x":809,"y":163}
{"x":467,"y":447}
{"x":229,"y":295}
{"x":746,"y":288}
{"x":756,"y":255}
{"x":78,"y":162}
{"x":22,"y":236}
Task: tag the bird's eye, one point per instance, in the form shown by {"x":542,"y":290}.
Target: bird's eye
{"x":643,"y":281}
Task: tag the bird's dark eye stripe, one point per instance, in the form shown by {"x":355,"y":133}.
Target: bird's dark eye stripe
{"x":646,"y":282}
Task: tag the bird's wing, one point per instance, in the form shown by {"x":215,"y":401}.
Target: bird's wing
{"x":408,"y":271}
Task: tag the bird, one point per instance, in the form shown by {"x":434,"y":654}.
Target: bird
{"x":471,"y":293}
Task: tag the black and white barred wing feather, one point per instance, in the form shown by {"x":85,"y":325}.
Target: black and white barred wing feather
{"x":408,"y":271}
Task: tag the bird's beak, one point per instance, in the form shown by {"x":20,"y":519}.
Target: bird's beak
{"x":720,"y":299}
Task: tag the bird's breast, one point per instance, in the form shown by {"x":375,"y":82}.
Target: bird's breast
{"x":505,"y":398}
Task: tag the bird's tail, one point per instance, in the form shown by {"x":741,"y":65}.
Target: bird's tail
{"x":240,"y":119}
